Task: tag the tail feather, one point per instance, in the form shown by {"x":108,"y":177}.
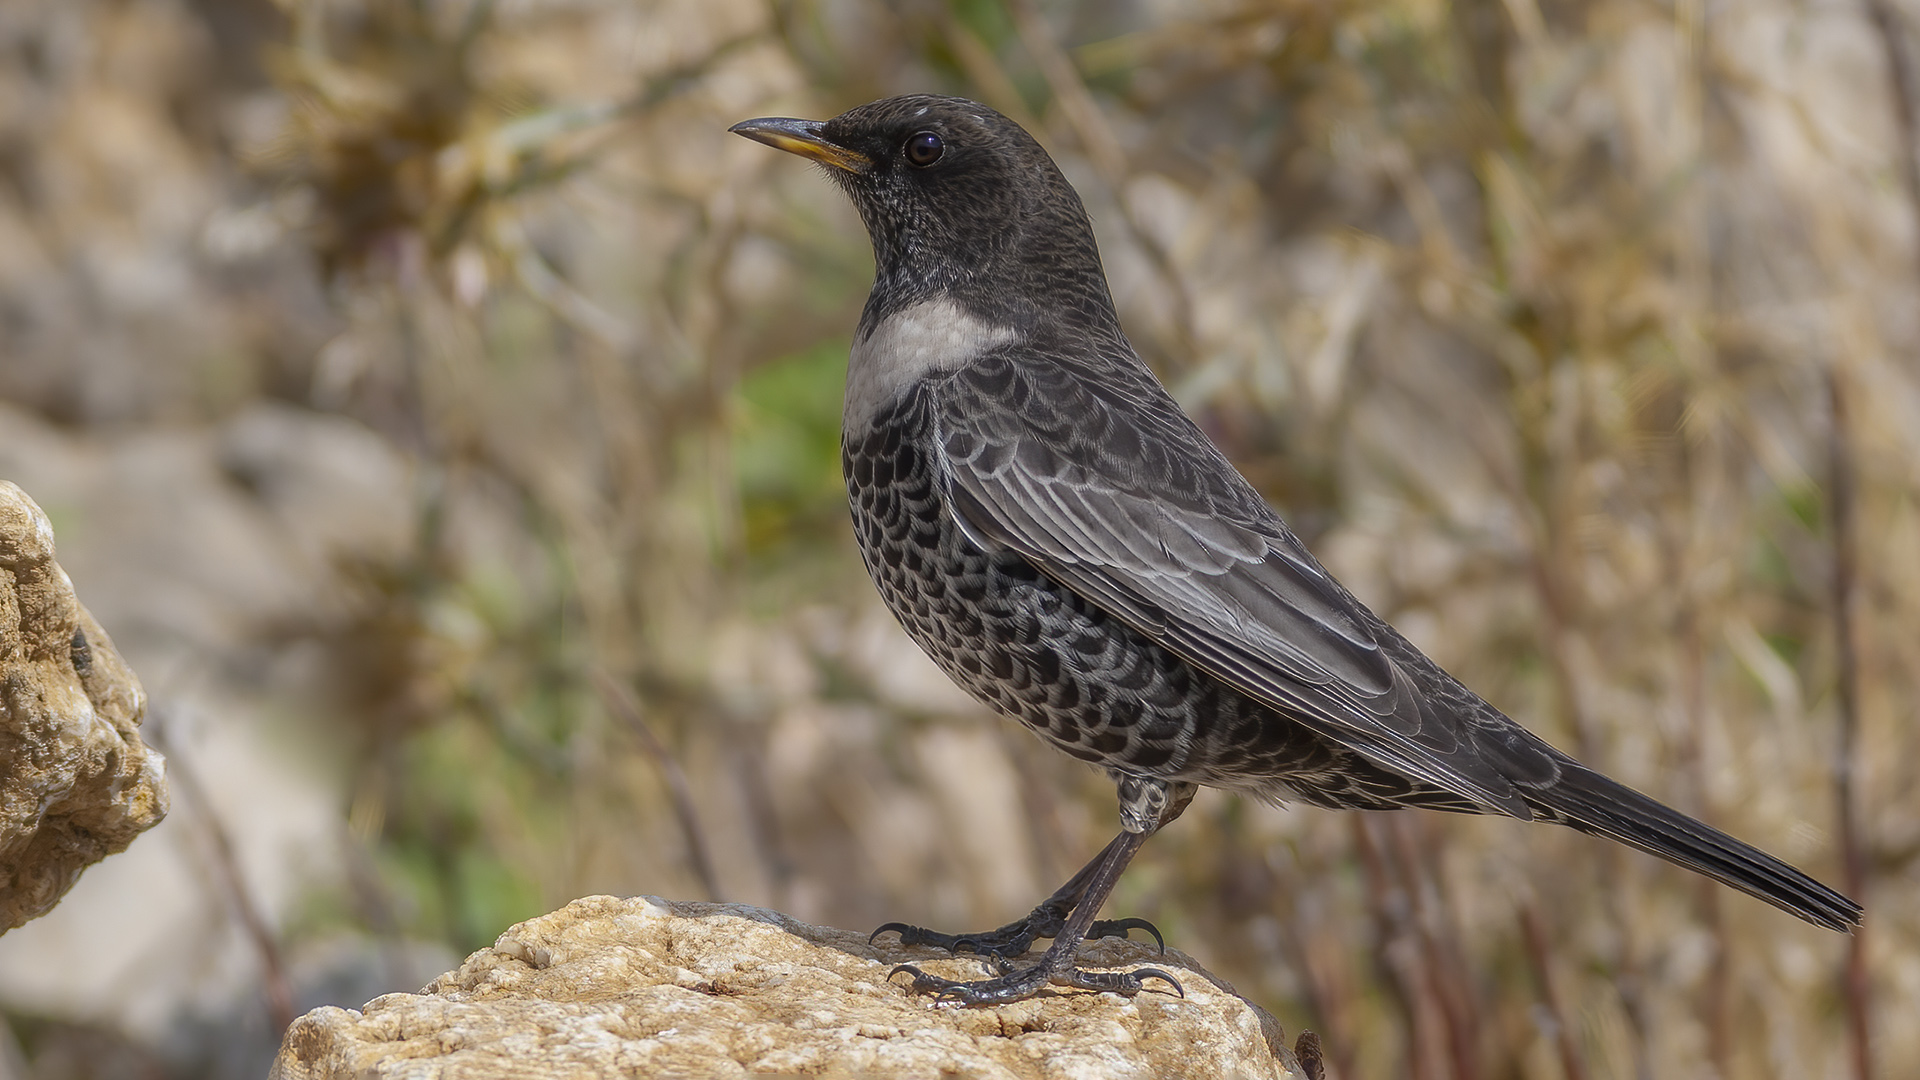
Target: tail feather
{"x":1591,"y":803}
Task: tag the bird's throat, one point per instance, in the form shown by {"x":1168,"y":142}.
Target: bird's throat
{"x":914,"y":343}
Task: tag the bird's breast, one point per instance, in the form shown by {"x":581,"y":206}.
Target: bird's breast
{"x":926,"y":339}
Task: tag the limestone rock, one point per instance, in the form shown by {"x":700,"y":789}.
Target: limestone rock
{"x":659,"y":988}
{"x":76,"y":782}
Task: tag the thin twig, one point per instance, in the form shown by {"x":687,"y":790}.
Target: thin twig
{"x":985,"y":72}
{"x":1694,"y":478}
{"x":620,"y":702}
{"x":1840,"y":504}
{"x":226,"y":862}
{"x":1719,"y":995}
{"x":1326,"y":974}
{"x":1399,"y":955}
{"x":1550,"y":557}
{"x":763,"y":817}
{"x":1451,"y":991}
{"x":1539,"y":955}
{"x":1905,"y":91}
{"x":1541,"y":490}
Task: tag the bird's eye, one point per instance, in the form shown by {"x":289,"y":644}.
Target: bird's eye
{"x":924,"y":149}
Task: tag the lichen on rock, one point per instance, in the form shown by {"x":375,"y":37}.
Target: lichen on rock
{"x":76,"y":782}
{"x":660,"y":988}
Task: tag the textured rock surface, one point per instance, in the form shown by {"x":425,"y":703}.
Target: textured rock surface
{"x":76,"y":782}
{"x":657,"y":988}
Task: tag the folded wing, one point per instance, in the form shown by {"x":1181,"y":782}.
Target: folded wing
{"x":1110,"y":490}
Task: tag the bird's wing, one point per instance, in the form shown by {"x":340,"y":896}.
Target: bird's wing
{"x":1101,"y":481}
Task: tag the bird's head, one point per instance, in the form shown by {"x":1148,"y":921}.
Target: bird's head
{"x":959,"y":201}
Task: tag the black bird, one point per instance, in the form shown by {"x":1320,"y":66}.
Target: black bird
{"x":1072,"y":550}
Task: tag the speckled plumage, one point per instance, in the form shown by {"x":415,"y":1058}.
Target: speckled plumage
{"x":1081,"y":679}
{"x":1067,"y":545}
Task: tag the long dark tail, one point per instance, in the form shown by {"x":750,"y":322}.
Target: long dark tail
{"x":1591,"y":803}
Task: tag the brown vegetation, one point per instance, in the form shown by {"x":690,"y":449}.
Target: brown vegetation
{"x":1579,"y":340}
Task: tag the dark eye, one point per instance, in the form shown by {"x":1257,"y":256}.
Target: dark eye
{"x":924,"y":149}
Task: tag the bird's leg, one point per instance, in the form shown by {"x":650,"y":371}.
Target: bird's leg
{"x":1056,"y":965}
{"x":1145,"y":806}
{"x":1045,"y":921}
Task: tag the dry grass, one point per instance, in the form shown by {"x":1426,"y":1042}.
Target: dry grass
{"x":1554,"y":328}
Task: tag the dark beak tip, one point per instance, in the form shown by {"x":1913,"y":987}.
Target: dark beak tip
{"x":788,"y":126}
{"x":802,"y":137}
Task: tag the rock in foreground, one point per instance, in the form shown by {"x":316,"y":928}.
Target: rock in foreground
{"x":659,"y":988}
{"x":76,"y":782}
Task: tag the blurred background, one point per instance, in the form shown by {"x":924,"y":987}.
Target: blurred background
{"x":439,"y":407}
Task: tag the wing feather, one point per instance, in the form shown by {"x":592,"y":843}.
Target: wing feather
{"x":1109,"y":489}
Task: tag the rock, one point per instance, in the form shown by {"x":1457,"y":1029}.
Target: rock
{"x":76,"y":782}
{"x":661,"y":988}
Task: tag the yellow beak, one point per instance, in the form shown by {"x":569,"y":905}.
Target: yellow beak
{"x":802,"y":137}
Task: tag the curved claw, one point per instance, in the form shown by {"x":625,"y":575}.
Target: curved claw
{"x":911,"y":935}
{"x":1119,"y":927}
{"x":896,"y":927}
{"x":941,"y":989}
{"x":922,"y":982}
{"x":1017,"y":986}
{"x":1141,"y":974}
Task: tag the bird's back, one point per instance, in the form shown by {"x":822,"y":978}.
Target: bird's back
{"x":1033,"y":648}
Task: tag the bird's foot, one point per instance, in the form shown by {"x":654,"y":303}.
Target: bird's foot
{"x":1015,"y":938}
{"x":1056,"y":968}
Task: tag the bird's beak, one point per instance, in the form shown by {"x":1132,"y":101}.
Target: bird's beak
{"x":802,"y":137}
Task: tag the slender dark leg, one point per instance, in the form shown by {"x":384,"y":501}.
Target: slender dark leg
{"x":1045,"y":921}
{"x":1146,"y":805}
{"x":1056,"y":966}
